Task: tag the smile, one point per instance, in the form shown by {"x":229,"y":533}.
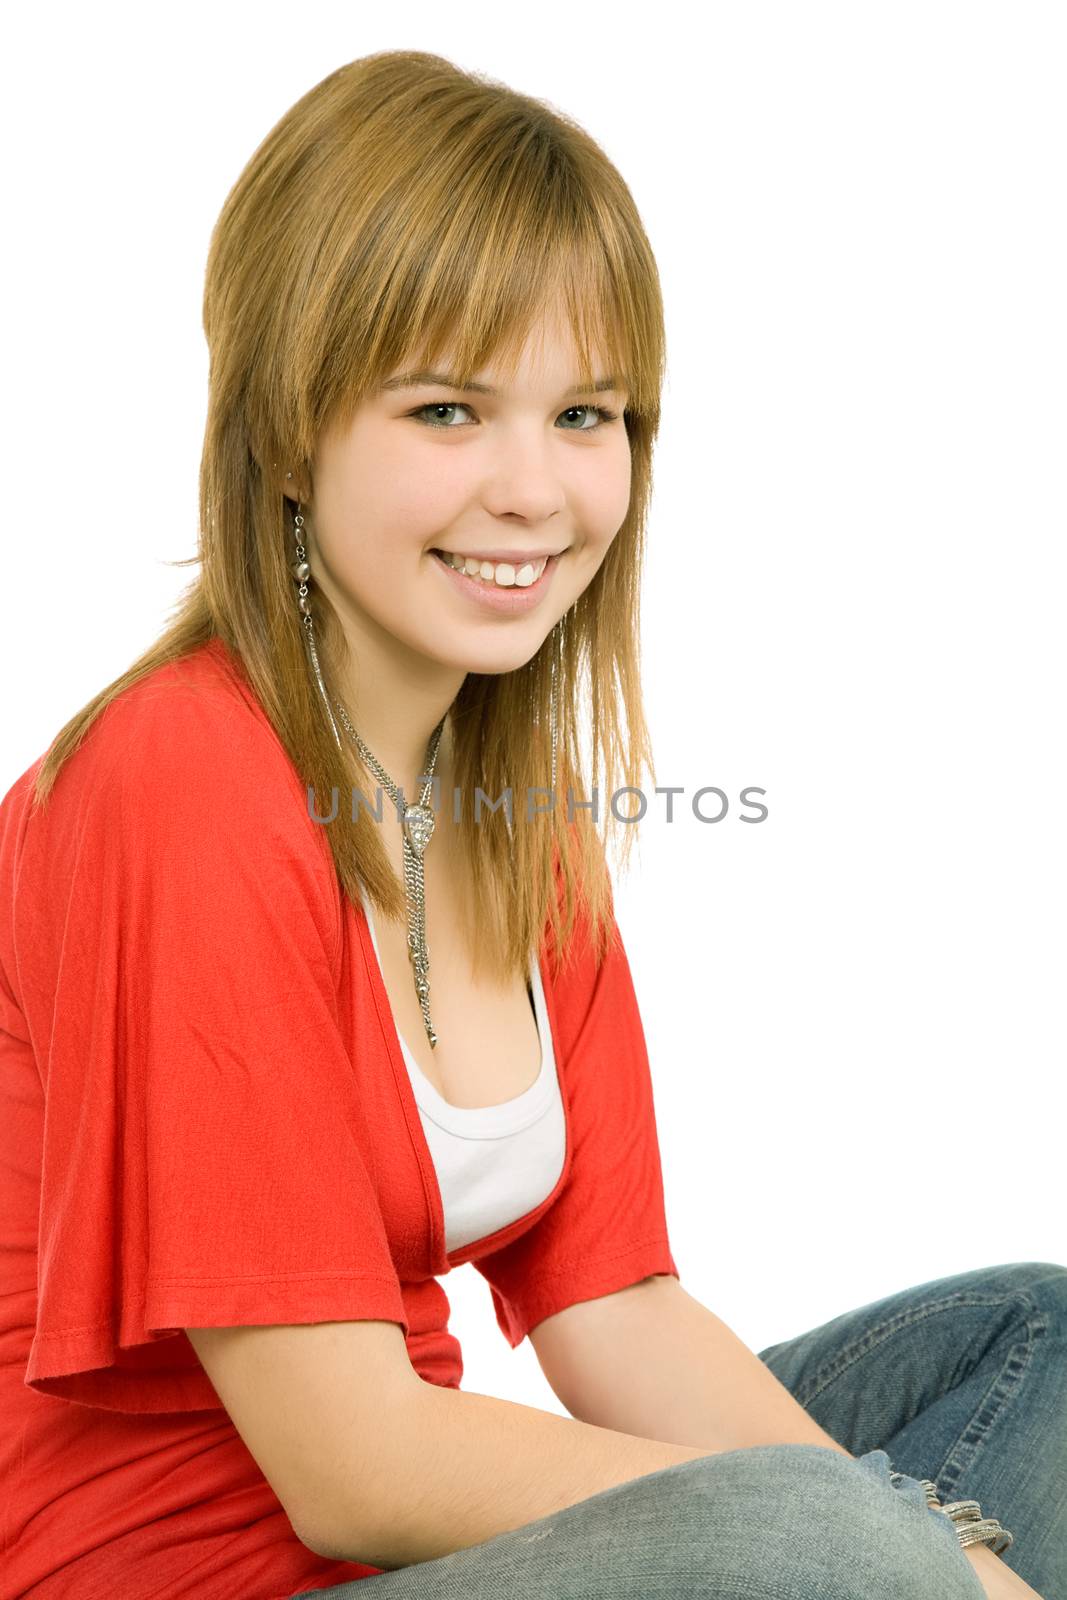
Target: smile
{"x":503,"y":573}
{"x":509,"y":596}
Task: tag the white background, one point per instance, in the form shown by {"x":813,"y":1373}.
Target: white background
{"x":855,"y":589}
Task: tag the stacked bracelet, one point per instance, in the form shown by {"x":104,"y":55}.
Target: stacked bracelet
{"x":967,"y":1519}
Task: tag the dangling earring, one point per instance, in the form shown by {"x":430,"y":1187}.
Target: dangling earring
{"x":301,"y":570}
{"x":552,"y":717}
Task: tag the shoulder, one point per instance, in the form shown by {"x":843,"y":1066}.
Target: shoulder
{"x":197,"y":717}
{"x":193,"y":726}
{"x":176,"y":840}
{"x":185,"y":761}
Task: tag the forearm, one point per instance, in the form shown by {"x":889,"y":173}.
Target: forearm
{"x":660,"y":1365}
{"x":456,"y":1468}
{"x":996,"y":1577}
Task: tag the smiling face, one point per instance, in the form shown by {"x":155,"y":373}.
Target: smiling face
{"x":533,"y":468}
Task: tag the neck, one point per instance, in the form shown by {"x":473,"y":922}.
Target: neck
{"x":397,"y":729}
{"x":405,"y":755}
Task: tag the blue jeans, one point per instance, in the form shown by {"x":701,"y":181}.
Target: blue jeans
{"x":962,"y":1380}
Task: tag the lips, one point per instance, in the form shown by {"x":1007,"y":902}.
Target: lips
{"x":517,"y":563}
{"x":492,"y":596}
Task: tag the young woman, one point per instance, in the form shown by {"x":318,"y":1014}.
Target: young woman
{"x":276,"y":1060}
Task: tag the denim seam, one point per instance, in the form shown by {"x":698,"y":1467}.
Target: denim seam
{"x":870,"y":1338}
{"x":971,"y":1440}
{"x":965,"y":1451}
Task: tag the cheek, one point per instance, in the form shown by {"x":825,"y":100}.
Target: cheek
{"x":399,"y":508}
{"x":411,"y":487}
{"x":611,"y":499}
{"x":385,"y":517}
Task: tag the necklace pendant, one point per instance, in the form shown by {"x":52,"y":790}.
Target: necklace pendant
{"x":418,"y":827}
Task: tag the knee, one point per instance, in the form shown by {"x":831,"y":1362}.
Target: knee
{"x":1047,"y":1287}
{"x":1039,"y":1288}
{"x":807,"y":1519}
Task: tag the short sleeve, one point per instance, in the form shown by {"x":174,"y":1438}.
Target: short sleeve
{"x":606,"y":1228}
{"x":203,"y":1158}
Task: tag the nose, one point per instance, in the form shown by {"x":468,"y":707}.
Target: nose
{"x":523,"y":482}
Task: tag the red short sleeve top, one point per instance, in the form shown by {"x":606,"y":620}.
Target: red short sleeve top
{"x":206,"y":1120}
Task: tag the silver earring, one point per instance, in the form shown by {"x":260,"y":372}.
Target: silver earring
{"x":552,"y":714}
{"x":301,"y":571}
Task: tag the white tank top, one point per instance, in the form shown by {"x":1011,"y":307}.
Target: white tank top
{"x":493,"y":1163}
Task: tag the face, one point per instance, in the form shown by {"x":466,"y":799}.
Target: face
{"x":533,"y":470}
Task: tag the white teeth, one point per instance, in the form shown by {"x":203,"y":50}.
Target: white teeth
{"x":503,"y":573}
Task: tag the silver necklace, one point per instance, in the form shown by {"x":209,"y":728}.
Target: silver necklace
{"x":418,"y":825}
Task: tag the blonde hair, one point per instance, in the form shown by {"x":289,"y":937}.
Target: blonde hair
{"x":400,"y":207}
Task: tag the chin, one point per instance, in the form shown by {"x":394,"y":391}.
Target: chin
{"x":494,"y":663}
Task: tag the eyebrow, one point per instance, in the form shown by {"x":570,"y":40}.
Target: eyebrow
{"x":447,"y":380}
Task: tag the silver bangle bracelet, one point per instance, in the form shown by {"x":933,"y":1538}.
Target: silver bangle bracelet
{"x":967,"y":1519}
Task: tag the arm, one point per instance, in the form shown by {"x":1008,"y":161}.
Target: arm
{"x":652,"y":1361}
{"x":362,"y":1453}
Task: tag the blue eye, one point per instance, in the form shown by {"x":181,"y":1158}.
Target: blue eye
{"x":600,"y":412}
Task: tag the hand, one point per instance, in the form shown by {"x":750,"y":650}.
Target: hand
{"x":996,"y":1578}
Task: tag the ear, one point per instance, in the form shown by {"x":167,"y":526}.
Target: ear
{"x":290,"y":482}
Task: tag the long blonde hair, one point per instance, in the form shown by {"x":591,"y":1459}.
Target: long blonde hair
{"x":400,"y":207}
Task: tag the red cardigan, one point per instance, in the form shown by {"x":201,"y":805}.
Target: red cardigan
{"x":206,"y":1120}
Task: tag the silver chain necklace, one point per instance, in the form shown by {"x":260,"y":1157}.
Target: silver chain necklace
{"x":418,"y":825}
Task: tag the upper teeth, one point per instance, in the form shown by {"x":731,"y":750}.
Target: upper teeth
{"x":500,"y":572}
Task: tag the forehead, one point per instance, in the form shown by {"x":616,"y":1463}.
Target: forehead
{"x":544,"y":349}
